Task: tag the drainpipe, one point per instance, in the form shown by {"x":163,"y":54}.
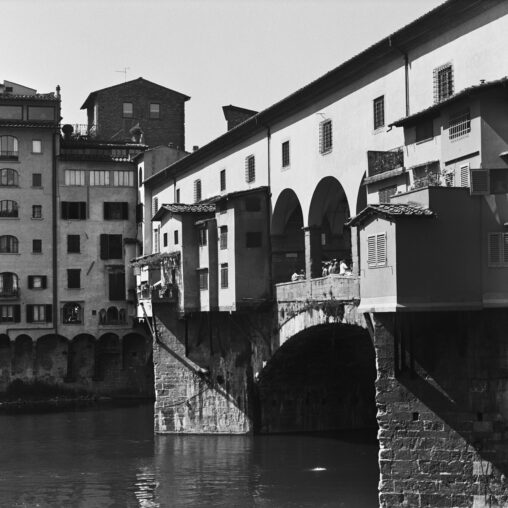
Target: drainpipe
{"x":56,"y":136}
{"x":269,"y":208}
{"x":406,"y":72}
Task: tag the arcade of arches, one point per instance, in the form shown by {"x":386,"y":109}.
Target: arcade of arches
{"x":296,"y":246}
{"x":108,"y":365}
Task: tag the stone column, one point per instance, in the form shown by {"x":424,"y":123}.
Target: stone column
{"x":312,"y":251}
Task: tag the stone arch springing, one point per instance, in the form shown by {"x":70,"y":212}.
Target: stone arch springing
{"x":51,"y":352}
{"x":328,"y":237}
{"x":81,"y":359}
{"x":22,"y":358}
{"x":288,"y":240}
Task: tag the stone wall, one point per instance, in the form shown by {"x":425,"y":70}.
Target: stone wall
{"x":442,"y":399}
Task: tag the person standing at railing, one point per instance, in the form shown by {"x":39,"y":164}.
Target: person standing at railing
{"x":343,"y":268}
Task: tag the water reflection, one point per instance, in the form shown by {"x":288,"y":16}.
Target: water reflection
{"x":110,"y":458}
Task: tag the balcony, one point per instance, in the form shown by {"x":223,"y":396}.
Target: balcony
{"x":165,"y":294}
{"x":331,"y":287}
{"x":9,"y":293}
{"x":83,"y":131}
{"x":384,"y":164}
{"x":9,"y":155}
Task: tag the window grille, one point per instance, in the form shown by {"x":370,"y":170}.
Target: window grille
{"x":443,"y":82}
{"x":36,"y":212}
{"x":480,"y":182}
{"x":250,"y":169}
{"x":203,"y":280}
{"x":498,"y":249}
{"x":111,"y":247}
{"x":224,"y":276}
{"x":379,"y":112}
{"x":459,"y":125}
{"x":223,"y":180}
{"x":325,"y":136}
{"x":376,"y":250}
{"x":197,"y":191}
{"x":223,"y":238}
{"x":39,"y":313}
{"x":285,"y":154}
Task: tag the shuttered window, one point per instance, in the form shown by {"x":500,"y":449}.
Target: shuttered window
{"x":325,"y":137}
{"x":376,"y":250}
{"x":116,"y":210}
{"x":39,"y":313}
{"x":250,"y":169}
{"x":111,"y":247}
{"x":498,"y":249}
{"x":73,"y":210}
{"x":37,"y":281}
{"x":117,"y":286}
{"x":74,"y":278}
{"x":464,"y":175}
{"x":10,"y":313}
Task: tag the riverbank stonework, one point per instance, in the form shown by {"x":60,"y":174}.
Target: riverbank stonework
{"x":442,"y":401}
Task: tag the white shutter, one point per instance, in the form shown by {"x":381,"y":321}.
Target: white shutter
{"x":494,"y":249}
{"x":464,"y":175}
{"x":480,"y":181}
{"x":381,"y":249}
{"x":371,"y":250}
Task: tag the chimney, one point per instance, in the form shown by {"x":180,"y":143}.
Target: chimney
{"x":235,"y":115}
{"x":195,"y":148}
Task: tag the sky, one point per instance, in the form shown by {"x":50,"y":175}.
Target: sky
{"x":249,"y":53}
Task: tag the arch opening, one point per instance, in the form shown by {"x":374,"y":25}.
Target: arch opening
{"x":108,"y":361}
{"x":288,"y":239}
{"x":51,"y":353}
{"x":81,"y":359}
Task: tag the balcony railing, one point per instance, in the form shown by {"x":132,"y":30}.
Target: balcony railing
{"x":331,"y":287}
{"x":82,"y":130}
{"x":9,"y":155}
{"x":9,"y":292}
{"x":382,"y":162}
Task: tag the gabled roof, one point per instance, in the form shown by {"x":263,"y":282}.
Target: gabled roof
{"x":183,"y":208}
{"x":91,"y":98}
{"x":389,"y":211}
{"x":435,"y":108}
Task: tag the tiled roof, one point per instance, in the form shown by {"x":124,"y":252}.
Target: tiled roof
{"x":35,"y":97}
{"x":389,"y":211}
{"x":19,"y":123}
{"x":203,"y":207}
{"x":433,"y":110}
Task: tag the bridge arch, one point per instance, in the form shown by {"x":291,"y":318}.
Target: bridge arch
{"x":321,"y":379}
{"x":288,"y":239}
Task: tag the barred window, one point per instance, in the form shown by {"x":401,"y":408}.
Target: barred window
{"x":74,"y":177}
{"x":223,"y":237}
{"x":8,"y":208}
{"x":223,"y":180}
{"x":459,"y":125}
{"x":203,"y":279}
{"x":224,"y":275}
{"x":99,"y":178}
{"x":379,"y":112}
{"x":250,"y":169}
{"x":285,"y":154}
{"x":37,"y":212}
{"x":197,"y":191}
{"x":123,"y":178}
{"x":325,"y":136}
{"x":443,"y":82}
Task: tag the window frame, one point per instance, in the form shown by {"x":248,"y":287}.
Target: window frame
{"x":502,"y":245}
{"x":37,"y":212}
{"x":224,"y":276}
{"x":9,"y":209}
{"x":197,"y":190}
{"x":9,"y":244}
{"x":73,"y":241}
{"x":223,"y":237}
{"x":36,"y":246}
{"x":203,"y":279}
{"x":34,"y":151}
{"x":378,"y":110}
{"x":325,"y":137}
{"x":125,"y":110}
{"x":74,"y":278}
{"x":222,"y":180}
{"x":14,"y":177}
{"x":6,"y":154}
{"x":152,"y":114}
{"x":375,"y":259}
{"x":443,"y":90}
{"x":285,"y":154}
{"x":250,"y":168}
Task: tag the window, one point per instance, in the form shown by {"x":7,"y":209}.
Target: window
{"x":8,"y":208}
{"x":39,"y":313}
{"x":36,"y":146}
{"x":165,"y":239}
{"x":223,"y":180}
{"x":123,"y":178}
{"x":386,"y":193}
{"x":203,"y":280}
{"x":73,"y":210}
{"x":285,"y":154}
{"x":37,"y":212}
{"x":175,"y":237}
{"x":250,"y":169}
{"x":11,"y":112}
{"x":9,"y":178}
{"x":253,"y":239}
{"x":73,"y":278}
{"x":73,"y":244}
{"x":424,"y":130}
{"x":325,"y":136}
{"x":140,"y":177}
{"x":197,"y":191}
{"x":41,"y":113}
{"x":379,"y":112}
{"x":72,"y":313}
{"x":36,"y":246}
{"x":9,"y":284}
{"x":127,"y":109}
{"x":203,"y":237}
{"x":224,"y":275}
{"x":37,"y":282}
{"x":117,"y":286}
{"x":155,"y":206}
{"x":8,"y":244}
{"x":178,"y":195}
{"x":75,"y":177}
{"x":156,"y":240}
{"x":252,"y":204}
{"x":223,"y":237}
{"x":116,"y":210}
{"x":459,"y":125}
{"x":464,"y":175}
{"x":139,"y":213}
{"x":443,"y":82}
{"x":111,"y":247}
{"x":498,"y":249}
{"x":36,"y":180}
{"x":155,"y":110}
{"x":376,"y":250}
{"x":8,"y":148}
{"x":10,"y":313}
{"x":99,"y":178}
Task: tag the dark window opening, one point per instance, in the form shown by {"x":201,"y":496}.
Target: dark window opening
{"x":73,"y":278}
{"x":73,"y":210}
{"x":73,"y":244}
{"x":253,"y":239}
{"x":116,"y":211}
{"x":111,"y":247}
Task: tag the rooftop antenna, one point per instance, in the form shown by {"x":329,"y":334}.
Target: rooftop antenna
{"x":124,"y":72}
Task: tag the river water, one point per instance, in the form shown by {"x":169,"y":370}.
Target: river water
{"x":109,"y":457}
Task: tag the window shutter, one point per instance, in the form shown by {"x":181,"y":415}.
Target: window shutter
{"x":381,"y":249}
{"x":494,"y":249}
{"x":117,"y":286}
{"x":104,"y":247}
{"x":44,"y":282}
{"x":17,"y":313}
{"x":464,"y":176}
{"x":29,"y":314}
{"x":30,"y":282}
{"x":106,"y":211}
{"x":480,"y":182}
{"x":371,"y":250}
{"x":125,"y":211}
{"x":49,"y":313}
{"x":82,"y":210}
{"x":65,"y":209}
